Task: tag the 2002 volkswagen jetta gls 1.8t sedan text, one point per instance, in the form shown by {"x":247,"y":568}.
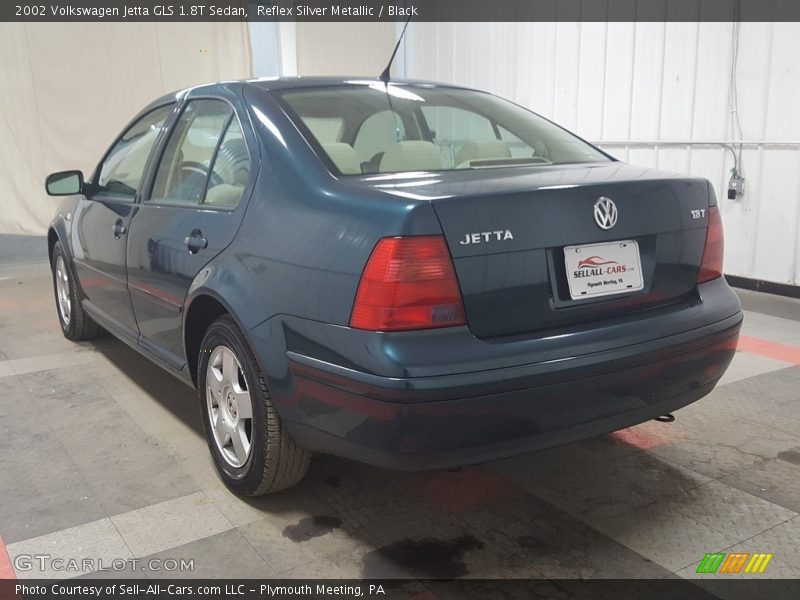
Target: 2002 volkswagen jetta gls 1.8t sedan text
{"x":407,"y":274}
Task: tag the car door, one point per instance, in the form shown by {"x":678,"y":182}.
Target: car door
{"x":102,"y":219}
{"x":191,"y":213}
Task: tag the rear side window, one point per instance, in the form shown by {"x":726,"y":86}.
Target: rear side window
{"x":188,"y":172}
{"x":411,"y":128}
{"x":122,"y":170}
{"x":231,"y":171}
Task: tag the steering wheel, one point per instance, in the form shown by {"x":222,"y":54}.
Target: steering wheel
{"x":191,"y":169}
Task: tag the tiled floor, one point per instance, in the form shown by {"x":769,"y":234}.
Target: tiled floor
{"x":101,"y":456}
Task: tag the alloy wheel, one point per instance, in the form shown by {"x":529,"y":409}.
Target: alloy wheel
{"x":62,"y":290}
{"x":230,"y":409}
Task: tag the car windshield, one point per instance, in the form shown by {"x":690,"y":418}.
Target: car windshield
{"x":368,"y":128}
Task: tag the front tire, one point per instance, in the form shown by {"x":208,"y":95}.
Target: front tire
{"x":253,"y":452}
{"x":75,"y":323}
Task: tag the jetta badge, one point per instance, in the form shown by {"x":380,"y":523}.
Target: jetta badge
{"x":605,"y":213}
{"x":483,"y":237}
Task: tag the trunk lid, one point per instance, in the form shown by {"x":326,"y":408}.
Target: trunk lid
{"x":507,"y":229}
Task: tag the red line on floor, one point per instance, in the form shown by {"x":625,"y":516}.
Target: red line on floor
{"x":6,"y":570}
{"x":646,"y":437}
{"x":790,"y":354}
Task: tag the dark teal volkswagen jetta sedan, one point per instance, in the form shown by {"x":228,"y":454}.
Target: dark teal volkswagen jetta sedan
{"x":408,"y":274}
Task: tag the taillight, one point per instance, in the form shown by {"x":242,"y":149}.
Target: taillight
{"x":408,"y":283}
{"x":711,"y":267}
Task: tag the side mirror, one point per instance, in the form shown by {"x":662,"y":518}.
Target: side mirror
{"x":65,"y":183}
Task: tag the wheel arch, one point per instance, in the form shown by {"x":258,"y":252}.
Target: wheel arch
{"x":204,"y":307}
{"x":52,"y":238}
{"x":58,"y":232}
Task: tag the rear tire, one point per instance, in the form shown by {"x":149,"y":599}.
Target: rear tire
{"x":75,"y":323}
{"x":253,"y":452}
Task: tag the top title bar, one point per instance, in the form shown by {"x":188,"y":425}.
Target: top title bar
{"x":399,"y":10}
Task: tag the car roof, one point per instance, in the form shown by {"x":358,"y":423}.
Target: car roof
{"x":300,"y":82}
{"x":270,"y":84}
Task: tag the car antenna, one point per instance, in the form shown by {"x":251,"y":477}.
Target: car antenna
{"x":385,"y":76}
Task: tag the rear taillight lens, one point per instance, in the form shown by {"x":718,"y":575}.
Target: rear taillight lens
{"x":711,"y":267}
{"x":408,"y":283}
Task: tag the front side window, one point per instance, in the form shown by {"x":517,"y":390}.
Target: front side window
{"x":185,"y":170}
{"x":122,"y":170}
{"x":408,"y":128}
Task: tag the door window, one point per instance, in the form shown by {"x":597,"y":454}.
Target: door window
{"x":186,"y":166}
{"x":121,"y":172}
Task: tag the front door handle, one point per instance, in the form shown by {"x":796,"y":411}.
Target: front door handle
{"x":119,"y":229}
{"x":195,"y":242}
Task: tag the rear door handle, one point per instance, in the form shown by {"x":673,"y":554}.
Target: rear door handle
{"x":195,"y":242}
{"x":119,"y":229}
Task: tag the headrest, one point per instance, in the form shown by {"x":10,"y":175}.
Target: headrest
{"x":411,"y":156}
{"x":344,"y":157}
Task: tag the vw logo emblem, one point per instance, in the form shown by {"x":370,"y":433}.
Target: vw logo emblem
{"x":605,"y":213}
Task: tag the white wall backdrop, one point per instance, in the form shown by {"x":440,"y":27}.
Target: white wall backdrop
{"x":343,"y":48}
{"x":655,"y":94}
{"x":67,"y":89}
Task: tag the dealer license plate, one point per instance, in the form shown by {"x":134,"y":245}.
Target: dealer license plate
{"x":603,"y":269}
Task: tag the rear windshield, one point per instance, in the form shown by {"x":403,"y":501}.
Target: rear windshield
{"x":367,"y":129}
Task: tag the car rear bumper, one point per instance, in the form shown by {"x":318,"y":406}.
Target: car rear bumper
{"x":469,"y":415}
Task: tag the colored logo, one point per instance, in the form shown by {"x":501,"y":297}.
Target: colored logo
{"x":734,"y":562}
{"x":595,"y":261}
